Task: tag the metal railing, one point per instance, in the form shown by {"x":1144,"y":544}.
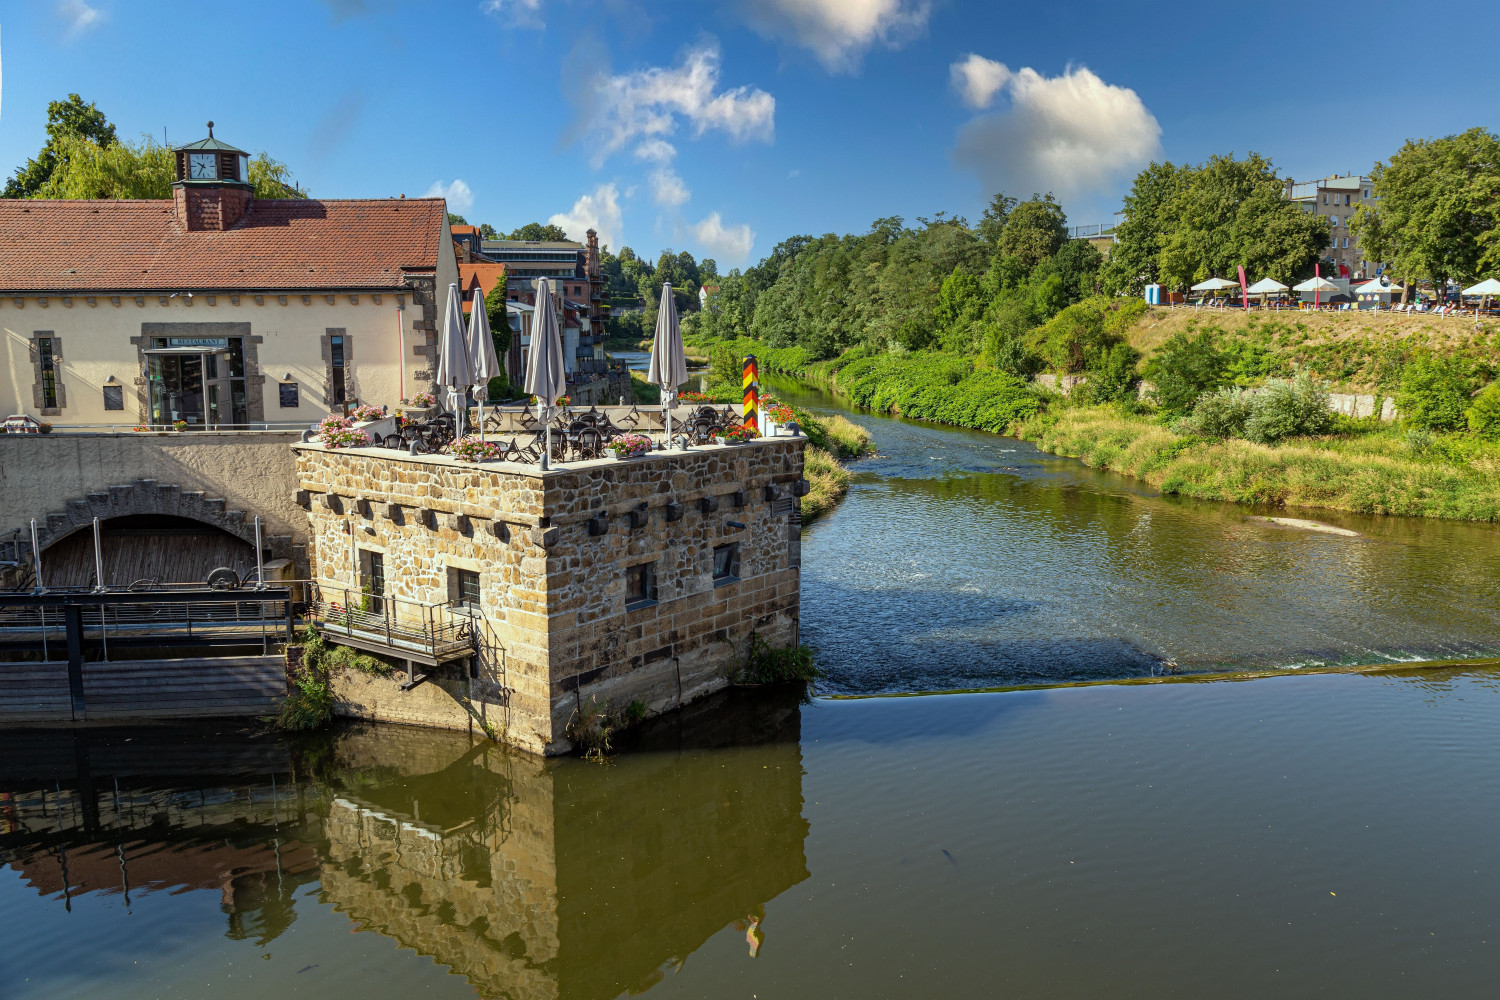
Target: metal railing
{"x":417,"y":630}
{"x":162,"y":616}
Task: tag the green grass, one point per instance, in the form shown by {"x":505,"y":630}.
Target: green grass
{"x":828,"y":483}
{"x":1365,"y":470}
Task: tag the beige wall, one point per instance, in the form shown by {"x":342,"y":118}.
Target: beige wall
{"x":95,"y":344}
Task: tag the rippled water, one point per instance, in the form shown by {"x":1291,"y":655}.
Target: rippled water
{"x":1314,"y":835}
{"x":964,"y":560}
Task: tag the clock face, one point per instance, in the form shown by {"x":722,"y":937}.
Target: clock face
{"x":201,"y":166}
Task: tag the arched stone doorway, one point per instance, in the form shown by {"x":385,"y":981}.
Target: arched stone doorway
{"x":202,"y":526}
{"x":147,"y":549}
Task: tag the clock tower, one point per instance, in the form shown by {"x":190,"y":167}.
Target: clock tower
{"x":212,"y":189}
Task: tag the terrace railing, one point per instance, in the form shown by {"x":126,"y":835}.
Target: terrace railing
{"x":424,"y":632}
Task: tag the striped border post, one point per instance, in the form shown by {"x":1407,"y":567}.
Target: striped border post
{"x":752,"y":395}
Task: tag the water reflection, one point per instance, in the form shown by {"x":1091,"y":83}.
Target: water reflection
{"x":963,"y":559}
{"x":529,"y":878}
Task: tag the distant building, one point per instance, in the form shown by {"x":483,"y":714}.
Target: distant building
{"x":466,"y":242}
{"x":705,"y":293}
{"x":577,"y":284}
{"x":1337,"y":199}
{"x":483,"y":276}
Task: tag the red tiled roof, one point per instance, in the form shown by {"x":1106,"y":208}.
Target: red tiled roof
{"x":125,"y":246}
{"x":477,"y":274}
{"x":466,"y":230}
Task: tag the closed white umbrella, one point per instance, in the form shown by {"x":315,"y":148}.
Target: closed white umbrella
{"x":455,"y":370}
{"x":544,"y":363}
{"x":482,"y":351}
{"x":668,"y":367}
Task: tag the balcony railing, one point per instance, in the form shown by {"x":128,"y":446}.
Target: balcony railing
{"x":424,"y":632}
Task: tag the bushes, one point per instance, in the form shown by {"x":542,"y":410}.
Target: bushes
{"x":1112,"y":376}
{"x":828,"y":482}
{"x":940,"y":387}
{"x":1434,"y":393}
{"x":767,"y":665}
{"x":1220,"y":414}
{"x":1184,"y":369}
{"x":1484,"y":415}
{"x":1294,"y":408}
{"x":1284,"y":408}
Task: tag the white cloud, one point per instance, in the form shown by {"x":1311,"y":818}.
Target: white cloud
{"x":725,"y":243}
{"x":1069,"y":134}
{"x":839,"y":32}
{"x":460,"y":198}
{"x":648,"y":104}
{"x":656,"y":151}
{"x":78,"y":16}
{"x":978,"y":79}
{"x":516,"y":13}
{"x":599,"y":210}
{"x":667,"y":189}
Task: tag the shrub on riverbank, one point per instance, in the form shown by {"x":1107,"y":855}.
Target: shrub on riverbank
{"x":827,"y":480}
{"x":1375,"y":472}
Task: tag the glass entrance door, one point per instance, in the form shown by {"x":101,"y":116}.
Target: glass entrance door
{"x":177,"y":390}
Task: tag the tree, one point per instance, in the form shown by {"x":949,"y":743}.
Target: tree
{"x":958,"y":308}
{"x":1230,"y":213}
{"x":995,"y":215}
{"x":499,"y":318}
{"x":1035,"y":230}
{"x":70,"y":119}
{"x":536,"y":231}
{"x":146,"y":169}
{"x":488,"y":232}
{"x":708,"y":269}
{"x":1132,"y":263}
{"x":454,"y":219}
{"x":1437,"y":209}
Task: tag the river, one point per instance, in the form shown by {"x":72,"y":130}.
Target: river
{"x":1297,"y":836}
{"x":964,"y":560}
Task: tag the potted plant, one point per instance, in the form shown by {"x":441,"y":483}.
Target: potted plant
{"x":44,"y":427}
{"x":737,"y":434}
{"x":630,"y":446}
{"x":179,"y":425}
{"x":472,"y":449}
{"x":339,"y":432}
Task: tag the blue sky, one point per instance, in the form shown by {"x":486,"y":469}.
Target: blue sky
{"x":724,"y":128}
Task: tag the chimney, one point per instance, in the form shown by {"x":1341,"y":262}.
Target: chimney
{"x":210,"y":208}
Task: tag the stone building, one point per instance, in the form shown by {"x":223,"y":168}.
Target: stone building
{"x":596,"y":586}
{"x":216,"y":308}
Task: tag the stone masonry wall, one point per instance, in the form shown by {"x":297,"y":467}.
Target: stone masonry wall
{"x":552,"y":551}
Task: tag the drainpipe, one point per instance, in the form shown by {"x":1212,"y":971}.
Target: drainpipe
{"x":401,"y":350}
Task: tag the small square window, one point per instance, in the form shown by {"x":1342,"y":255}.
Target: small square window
{"x":463,"y":588}
{"x":640,"y":584}
{"x":726,"y":563}
{"x":114,"y":397}
{"x":290,"y":399}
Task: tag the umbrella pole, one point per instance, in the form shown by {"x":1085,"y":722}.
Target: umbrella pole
{"x":668,"y":411}
{"x":546,"y":444}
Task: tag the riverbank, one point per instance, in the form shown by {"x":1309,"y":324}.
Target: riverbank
{"x":1369,"y":471}
{"x":1366,"y":466}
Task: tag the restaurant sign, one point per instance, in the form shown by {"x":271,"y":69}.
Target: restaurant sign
{"x":208,"y":342}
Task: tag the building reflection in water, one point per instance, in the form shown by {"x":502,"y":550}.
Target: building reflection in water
{"x":531,"y":878}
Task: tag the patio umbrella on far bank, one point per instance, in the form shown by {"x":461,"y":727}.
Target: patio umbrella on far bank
{"x":455,"y":370}
{"x":544,"y":364}
{"x":1486,"y":288}
{"x":482,"y":353}
{"x":668,"y":367}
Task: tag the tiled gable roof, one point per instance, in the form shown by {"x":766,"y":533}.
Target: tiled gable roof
{"x":127,"y":246}
{"x":478,"y":274}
